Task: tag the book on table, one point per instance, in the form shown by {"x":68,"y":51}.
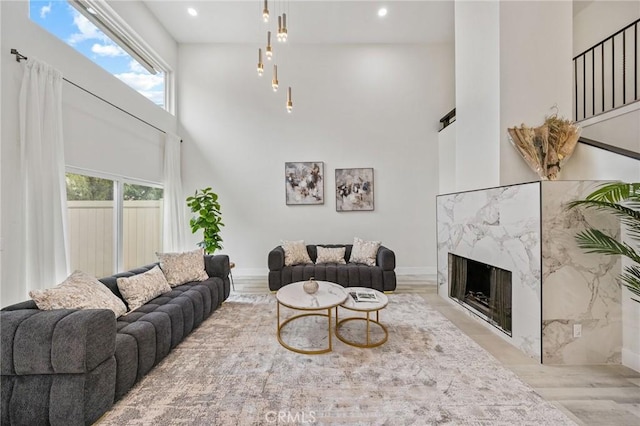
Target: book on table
{"x":364,"y":296}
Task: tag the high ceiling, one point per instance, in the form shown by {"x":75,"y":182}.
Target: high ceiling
{"x":324,"y":21}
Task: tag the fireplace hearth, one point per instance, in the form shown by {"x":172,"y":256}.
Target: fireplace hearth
{"x":483,"y":289}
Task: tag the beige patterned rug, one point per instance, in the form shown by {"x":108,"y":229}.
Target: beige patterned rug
{"x":233,"y":371}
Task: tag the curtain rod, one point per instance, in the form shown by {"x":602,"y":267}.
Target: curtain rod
{"x":20,"y":57}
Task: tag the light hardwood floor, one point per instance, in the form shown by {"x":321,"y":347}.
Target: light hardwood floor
{"x":590,"y":395}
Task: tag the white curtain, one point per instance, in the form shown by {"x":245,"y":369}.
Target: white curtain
{"x":174,"y":201}
{"x":44,"y":195}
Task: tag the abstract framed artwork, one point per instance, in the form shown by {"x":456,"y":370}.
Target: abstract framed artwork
{"x":304,"y":182}
{"x":354,"y":190}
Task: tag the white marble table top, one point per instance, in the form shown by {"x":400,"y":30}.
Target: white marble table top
{"x":327,"y":296}
{"x":383,"y":300}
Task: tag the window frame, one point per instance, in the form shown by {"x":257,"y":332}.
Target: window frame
{"x":107,"y":20}
{"x":118,"y":207}
{"x":121,"y":33}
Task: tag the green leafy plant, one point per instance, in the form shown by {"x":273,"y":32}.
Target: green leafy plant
{"x":622,"y":200}
{"x":205,"y":205}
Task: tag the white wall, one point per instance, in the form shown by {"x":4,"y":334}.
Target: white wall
{"x":354,"y":106}
{"x":506,"y":77}
{"x":447,"y":159}
{"x":477,"y":71}
{"x":598,"y":19}
{"x":620,"y":127}
{"x":588,"y":162}
{"x":97,"y":136}
{"x":535,"y":73}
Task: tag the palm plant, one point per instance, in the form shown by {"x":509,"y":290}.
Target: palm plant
{"x":622,"y":200}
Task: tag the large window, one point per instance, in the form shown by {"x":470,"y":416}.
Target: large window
{"x":110,"y":232}
{"x":65,"y":20}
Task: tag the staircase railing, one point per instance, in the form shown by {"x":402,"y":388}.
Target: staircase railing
{"x":449,"y":118}
{"x":606,"y":75}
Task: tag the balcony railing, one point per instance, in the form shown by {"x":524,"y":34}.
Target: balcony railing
{"x":606,"y":75}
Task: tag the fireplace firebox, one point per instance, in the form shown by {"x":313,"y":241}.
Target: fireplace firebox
{"x":483,"y":289}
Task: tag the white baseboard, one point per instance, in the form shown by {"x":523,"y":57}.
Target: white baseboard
{"x":410,"y":270}
{"x":631,"y":359}
{"x":430,"y":271}
{"x":250,"y":272}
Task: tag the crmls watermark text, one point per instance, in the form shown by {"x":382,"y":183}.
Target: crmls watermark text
{"x":299,"y":417}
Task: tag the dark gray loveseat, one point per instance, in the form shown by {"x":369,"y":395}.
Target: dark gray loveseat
{"x":381,"y":277}
{"x":68,"y":367}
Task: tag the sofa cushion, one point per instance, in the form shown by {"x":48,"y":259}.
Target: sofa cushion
{"x":295,"y":253}
{"x":364,"y":251}
{"x":139,"y":289}
{"x":180,"y":268}
{"x":330,"y":255}
{"x":79,"y":291}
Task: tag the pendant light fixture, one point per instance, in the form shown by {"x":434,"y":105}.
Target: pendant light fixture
{"x":284,"y":27}
{"x":282,"y":35}
{"x":289,"y":101}
{"x":260,"y":64}
{"x":268,"y":51}
{"x":274,"y":81}
{"x":279,"y":34}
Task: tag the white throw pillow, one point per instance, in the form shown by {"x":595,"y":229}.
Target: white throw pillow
{"x":180,"y":268}
{"x":139,"y":289}
{"x":330,"y":255}
{"x":295,"y":253}
{"x":364,"y":251}
{"x":79,"y":291}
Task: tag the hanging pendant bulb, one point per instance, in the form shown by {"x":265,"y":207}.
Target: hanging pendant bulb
{"x":289,"y":101}
{"x":279,"y":35}
{"x":260,"y":64}
{"x":284,"y":27}
{"x":274,"y":81}
{"x":265,"y":12}
{"x":268,"y":51}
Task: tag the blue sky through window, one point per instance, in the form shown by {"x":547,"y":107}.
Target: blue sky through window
{"x":69,"y":25}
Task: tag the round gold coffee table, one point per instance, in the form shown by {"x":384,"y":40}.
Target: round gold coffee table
{"x":368,"y":307}
{"x":293,"y":296}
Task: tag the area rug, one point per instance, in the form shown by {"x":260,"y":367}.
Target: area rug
{"x":233,"y":371}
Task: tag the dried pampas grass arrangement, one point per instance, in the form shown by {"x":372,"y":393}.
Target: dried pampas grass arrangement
{"x":546,"y":148}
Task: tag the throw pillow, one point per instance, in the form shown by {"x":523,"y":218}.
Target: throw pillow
{"x":79,"y":291}
{"x":330,"y":255}
{"x":139,"y":289}
{"x":180,"y":268}
{"x":364,"y":251}
{"x":295,"y":253}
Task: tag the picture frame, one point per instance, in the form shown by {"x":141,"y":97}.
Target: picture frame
{"x":354,"y":189}
{"x":304,"y":183}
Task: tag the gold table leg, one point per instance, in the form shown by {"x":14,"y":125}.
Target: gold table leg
{"x":304,"y":351}
{"x":368,"y":320}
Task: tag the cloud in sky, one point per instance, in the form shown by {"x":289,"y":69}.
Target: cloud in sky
{"x":141,"y":82}
{"x":87,"y":30}
{"x":136,"y":67}
{"x":155,"y":96}
{"x":108,"y":50}
{"x":45,"y":10}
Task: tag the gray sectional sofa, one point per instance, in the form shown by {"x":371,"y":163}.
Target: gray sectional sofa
{"x":381,"y":276}
{"x":68,"y":367}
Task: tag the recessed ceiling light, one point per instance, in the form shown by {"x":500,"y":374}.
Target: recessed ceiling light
{"x":382,"y":12}
{"x":192,"y":11}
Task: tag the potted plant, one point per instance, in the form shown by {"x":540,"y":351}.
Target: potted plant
{"x":623,"y":200}
{"x":205,"y":205}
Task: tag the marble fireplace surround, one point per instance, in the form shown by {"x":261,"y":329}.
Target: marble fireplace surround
{"x":526,"y":229}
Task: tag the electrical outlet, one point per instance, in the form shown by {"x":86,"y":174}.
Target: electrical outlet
{"x":577,"y":330}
